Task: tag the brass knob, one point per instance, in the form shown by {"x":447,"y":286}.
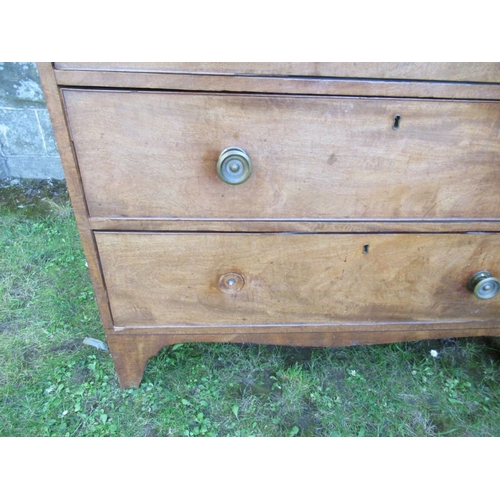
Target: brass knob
{"x":484,"y":285}
{"x":234,"y":165}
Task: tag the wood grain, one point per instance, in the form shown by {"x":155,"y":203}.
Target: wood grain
{"x":296,"y":279}
{"x":145,"y":154}
{"x":445,"y":71}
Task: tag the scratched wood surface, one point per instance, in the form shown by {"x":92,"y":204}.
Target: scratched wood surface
{"x":295,"y":279}
{"x":447,"y":71}
{"x":153,"y":154}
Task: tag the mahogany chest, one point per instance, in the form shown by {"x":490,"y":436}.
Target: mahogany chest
{"x":319,"y":204}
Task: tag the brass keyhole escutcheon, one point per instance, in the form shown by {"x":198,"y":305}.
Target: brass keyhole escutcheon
{"x":234,"y":165}
{"x":231,"y":282}
{"x":484,"y":285}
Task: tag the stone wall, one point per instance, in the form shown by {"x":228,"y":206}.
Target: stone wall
{"x":27,"y":145}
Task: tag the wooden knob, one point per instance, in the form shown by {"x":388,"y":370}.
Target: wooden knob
{"x":231,"y":282}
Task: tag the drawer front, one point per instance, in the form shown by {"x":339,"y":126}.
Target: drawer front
{"x":450,"y":71}
{"x":146,"y":154}
{"x":200,"y":279}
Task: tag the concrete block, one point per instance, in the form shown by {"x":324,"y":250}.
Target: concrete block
{"x":47,"y":132}
{"x":36,"y":167}
{"x":27,"y":145}
{"x":4,"y":169}
{"x":20,"y":133}
{"x":20,"y":85}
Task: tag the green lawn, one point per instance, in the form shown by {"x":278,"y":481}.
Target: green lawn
{"x":51,"y":384}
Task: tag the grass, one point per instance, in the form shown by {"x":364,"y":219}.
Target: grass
{"x":51,"y":384}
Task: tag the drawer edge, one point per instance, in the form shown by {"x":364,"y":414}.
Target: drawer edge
{"x":278,"y":85}
{"x":306,"y":329}
{"x":309,"y":339}
{"x":297,"y":225}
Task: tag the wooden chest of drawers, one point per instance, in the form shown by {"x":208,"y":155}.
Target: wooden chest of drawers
{"x":323,"y":204}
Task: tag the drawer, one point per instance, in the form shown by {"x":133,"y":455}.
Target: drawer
{"x":177,"y":280}
{"x":147,"y":154}
{"x":448,"y":71}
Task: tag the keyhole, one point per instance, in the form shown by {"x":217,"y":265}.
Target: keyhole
{"x":397,"y":120}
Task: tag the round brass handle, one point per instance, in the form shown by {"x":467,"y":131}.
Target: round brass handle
{"x":234,"y":165}
{"x":484,"y":285}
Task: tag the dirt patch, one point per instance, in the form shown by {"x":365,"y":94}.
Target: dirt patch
{"x":67,"y":346}
{"x":149,"y":430}
{"x":9,"y":326}
{"x":297,"y":355}
{"x":81,"y":375}
{"x":260,"y":383}
{"x":30,"y":354}
{"x":335,"y":377}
